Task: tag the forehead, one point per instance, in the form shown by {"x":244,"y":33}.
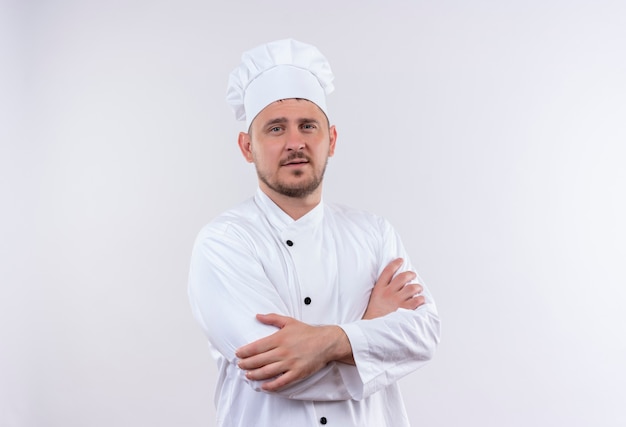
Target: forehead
{"x":291,"y":109}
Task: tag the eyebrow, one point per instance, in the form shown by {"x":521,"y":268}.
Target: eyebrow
{"x":282,"y":120}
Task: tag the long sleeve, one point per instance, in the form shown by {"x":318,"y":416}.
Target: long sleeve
{"x":387,"y":348}
{"x":253,"y":261}
{"x":228,"y":286}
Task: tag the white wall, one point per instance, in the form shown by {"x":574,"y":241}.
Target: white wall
{"x":490,"y":133}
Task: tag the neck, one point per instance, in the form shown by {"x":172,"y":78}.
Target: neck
{"x":295,"y":207}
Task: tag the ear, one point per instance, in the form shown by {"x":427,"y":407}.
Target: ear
{"x":245,"y":146}
{"x":333,"y":140}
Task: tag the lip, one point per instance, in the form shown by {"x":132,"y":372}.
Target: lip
{"x":298,"y":162}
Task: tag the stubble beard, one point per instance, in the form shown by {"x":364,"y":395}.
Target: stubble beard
{"x":299,"y":190}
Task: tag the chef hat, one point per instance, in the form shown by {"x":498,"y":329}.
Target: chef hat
{"x":278,"y":70}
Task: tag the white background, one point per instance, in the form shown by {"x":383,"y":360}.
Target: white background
{"x":490,"y":133}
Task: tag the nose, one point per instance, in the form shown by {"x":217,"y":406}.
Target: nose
{"x":295,"y":140}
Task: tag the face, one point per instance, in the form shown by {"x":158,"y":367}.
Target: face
{"x":289,"y":143}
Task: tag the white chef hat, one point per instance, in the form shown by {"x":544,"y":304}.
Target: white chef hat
{"x":280,"y":69}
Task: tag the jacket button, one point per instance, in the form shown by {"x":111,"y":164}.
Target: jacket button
{"x":307,"y":300}
{"x":289,"y":243}
{"x":323,"y":420}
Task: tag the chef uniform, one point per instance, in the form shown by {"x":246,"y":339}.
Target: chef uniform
{"x":319,"y":269}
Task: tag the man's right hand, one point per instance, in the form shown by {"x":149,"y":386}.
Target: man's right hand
{"x":391,"y":293}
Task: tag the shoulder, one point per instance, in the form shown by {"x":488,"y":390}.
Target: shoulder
{"x":233,"y":222}
{"x":346,"y":213}
{"x":346,"y":216}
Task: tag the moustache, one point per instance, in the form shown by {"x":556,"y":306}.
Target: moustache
{"x":295,"y":156}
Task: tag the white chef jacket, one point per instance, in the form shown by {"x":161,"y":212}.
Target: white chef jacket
{"x":319,"y":269}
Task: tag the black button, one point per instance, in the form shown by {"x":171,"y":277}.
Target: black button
{"x":307,"y":300}
{"x":323,"y":420}
{"x":289,"y":243}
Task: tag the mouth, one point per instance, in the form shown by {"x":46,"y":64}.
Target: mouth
{"x":295,"y":162}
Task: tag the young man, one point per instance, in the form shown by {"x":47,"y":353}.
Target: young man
{"x":311,"y":309}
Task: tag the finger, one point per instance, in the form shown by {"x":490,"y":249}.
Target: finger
{"x":413,"y":303}
{"x":418,"y":301}
{"x":258,"y":360}
{"x":389,"y":271}
{"x":266,"y":372}
{"x":282,"y":380}
{"x":252,"y":349}
{"x":273,"y":319}
{"x":411,"y":290}
{"x":262,"y":345}
{"x":402,"y":279}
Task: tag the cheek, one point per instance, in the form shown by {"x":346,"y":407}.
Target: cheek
{"x":265,"y":155}
{"x":273,"y":152}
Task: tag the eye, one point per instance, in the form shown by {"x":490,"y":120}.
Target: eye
{"x":275,"y":129}
{"x":309,"y":126}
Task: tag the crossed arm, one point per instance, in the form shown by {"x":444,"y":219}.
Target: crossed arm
{"x":298,"y":350}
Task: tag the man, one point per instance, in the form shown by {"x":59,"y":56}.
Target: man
{"x":311,"y":309}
